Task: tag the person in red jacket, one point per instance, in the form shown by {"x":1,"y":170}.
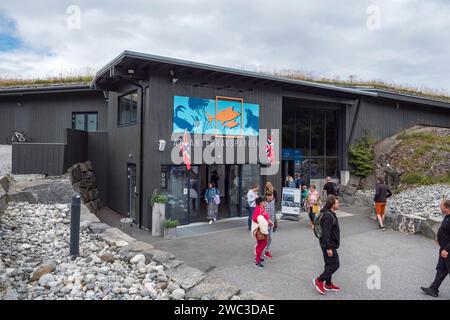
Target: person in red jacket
{"x":260,"y":229}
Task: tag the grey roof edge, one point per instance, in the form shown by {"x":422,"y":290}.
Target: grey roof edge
{"x":186,"y":63}
{"x":383,"y":93}
{"x":55,"y":88}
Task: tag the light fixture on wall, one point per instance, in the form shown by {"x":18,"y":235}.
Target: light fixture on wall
{"x":162,"y":145}
{"x":172,"y":75}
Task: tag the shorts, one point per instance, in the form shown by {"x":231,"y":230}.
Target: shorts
{"x":379,"y":208}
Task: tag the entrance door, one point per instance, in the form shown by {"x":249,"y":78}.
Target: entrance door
{"x":233,"y":188}
{"x":132,"y":191}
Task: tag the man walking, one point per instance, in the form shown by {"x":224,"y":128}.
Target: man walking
{"x":443,"y":240}
{"x":330,"y":187}
{"x":329,"y":242}
{"x":382,"y":193}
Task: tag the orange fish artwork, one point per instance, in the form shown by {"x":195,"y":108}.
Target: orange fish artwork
{"x":226,"y":118}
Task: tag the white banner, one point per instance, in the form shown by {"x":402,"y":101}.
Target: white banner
{"x":290,"y":203}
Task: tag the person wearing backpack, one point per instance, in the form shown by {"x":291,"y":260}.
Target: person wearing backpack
{"x":330,"y":187}
{"x":212,"y":198}
{"x":326,"y":228}
{"x":382,"y":193}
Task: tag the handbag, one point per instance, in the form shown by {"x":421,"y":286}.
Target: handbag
{"x":217,"y":199}
{"x":315,"y":209}
{"x":259,"y":235}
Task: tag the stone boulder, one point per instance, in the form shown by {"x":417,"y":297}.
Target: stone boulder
{"x":115,"y":237}
{"x":41,"y":271}
{"x":213,"y":289}
{"x":20,"y":196}
{"x":187,"y":277}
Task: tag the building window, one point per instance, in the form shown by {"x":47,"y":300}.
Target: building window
{"x":128,"y":108}
{"x":86,"y":121}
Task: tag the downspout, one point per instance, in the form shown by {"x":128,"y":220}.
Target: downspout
{"x":141,"y":153}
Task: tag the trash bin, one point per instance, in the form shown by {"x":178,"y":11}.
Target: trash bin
{"x":126,"y":225}
{"x":158,"y":217}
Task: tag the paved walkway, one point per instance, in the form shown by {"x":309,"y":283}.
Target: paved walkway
{"x":5,"y":158}
{"x":406,"y":262}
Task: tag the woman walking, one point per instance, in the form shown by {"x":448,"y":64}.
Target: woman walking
{"x":305,"y":192}
{"x":270,"y":209}
{"x":260,"y":229}
{"x":212,"y":198}
{"x":312,"y":204}
{"x":252,"y":194}
{"x":270,"y":188}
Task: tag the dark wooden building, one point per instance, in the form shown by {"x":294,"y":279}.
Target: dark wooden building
{"x":151,"y":99}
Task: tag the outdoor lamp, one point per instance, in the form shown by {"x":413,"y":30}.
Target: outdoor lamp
{"x":162,"y":145}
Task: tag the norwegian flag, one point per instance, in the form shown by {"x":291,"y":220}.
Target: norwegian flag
{"x":185,"y":148}
{"x":269,"y":150}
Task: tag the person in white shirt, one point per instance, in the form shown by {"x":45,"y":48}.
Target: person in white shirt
{"x":252,"y":194}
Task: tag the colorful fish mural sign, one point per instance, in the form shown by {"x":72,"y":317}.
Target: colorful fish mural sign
{"x":221,"y":116}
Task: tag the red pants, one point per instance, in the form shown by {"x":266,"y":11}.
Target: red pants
{"x":260,"y":245}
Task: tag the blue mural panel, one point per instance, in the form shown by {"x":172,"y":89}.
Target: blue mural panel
{"x":230,"y":118}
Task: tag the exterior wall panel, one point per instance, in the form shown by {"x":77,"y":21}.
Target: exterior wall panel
{"x":45,"y":117}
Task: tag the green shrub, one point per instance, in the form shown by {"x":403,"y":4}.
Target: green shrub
{"x":416,"y":178}
{"x":158,"y":197}
{"x":362,"y":156}
{"x":168,"y":224}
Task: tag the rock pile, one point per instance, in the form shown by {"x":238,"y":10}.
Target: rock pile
{"x":34,"y":262}
{"x":421,"y":201}
{"x":35,"y":265}
{"x":83,"y":181}
{"x":414,"y":210}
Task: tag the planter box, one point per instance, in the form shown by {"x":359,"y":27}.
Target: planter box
{"x":170,"y":233}
{"x":158,"y":217}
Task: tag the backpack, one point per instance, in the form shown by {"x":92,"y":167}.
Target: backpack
{"x":335,"y":189}
{"x":317,"y":227}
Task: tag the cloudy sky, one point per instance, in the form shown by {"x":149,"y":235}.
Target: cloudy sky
{"x":401,"y":41}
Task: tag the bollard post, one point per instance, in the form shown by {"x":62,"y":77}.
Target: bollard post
{"x":75,"y":227}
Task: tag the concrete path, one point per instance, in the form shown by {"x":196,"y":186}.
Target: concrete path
{"x":406,"y":262}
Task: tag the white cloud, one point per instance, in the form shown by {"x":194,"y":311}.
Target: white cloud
{"x":323,"y":38}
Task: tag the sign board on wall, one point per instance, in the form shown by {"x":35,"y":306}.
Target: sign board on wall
{"x":221,"y":116}
{"x":290,"y":202}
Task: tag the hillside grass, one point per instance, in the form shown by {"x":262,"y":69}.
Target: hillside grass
{"x":423,"y":145}
{"x":291,"y":74}
{"x":44,"y":81}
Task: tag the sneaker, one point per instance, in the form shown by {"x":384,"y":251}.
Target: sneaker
{"x":210,"y":221}
{"x":379,"y":227}
{"x":383,"y":229}
{"x":215,"y":219}
{"x":319,"y":286}
{"x":259,"y":265}
{"x":268,"y":255}
{"x":430,"y":292}
{"x":332,"y":287}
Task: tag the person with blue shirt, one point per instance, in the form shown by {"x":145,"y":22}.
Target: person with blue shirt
{"x":212,"y":198}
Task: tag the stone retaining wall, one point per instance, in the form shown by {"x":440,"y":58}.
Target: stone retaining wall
{"x":83,"y":181}
{"x":4,"y":187}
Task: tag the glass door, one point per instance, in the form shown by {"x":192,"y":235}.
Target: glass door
{"x":194,"y":195}
{"x":233,"y":200}
{"x":178,"y":193}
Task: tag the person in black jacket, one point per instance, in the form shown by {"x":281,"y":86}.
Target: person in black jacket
{"x":329,"y":242}
{"x":443,"y":240}
{"x":382,"y":193}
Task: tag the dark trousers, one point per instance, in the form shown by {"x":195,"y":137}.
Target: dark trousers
{"x":311,"y":215}
{"x":331,"y":266}
{"x":442,"y":270}
{"x":251,"y":210}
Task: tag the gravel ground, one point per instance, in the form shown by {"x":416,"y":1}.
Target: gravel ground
{"x":34,"y":264}
{"x":5,"y":159}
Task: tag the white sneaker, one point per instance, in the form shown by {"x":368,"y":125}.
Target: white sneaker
{"x":210,"y":221}
{"x":215,"y":219}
